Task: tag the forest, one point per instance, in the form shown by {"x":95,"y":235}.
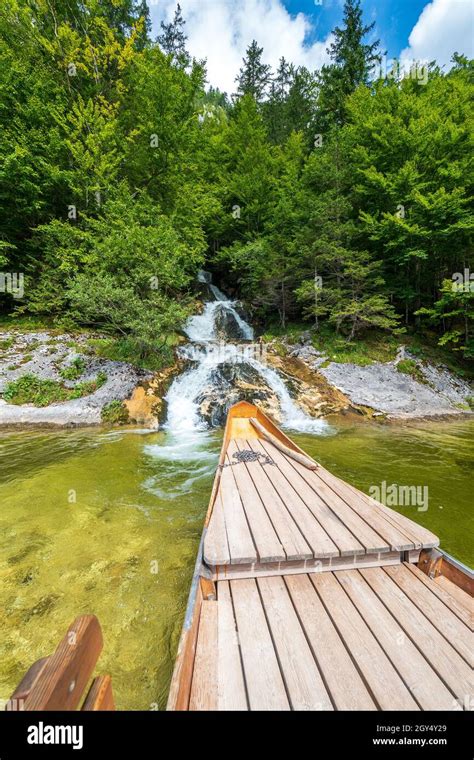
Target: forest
{"x":339,"y":198}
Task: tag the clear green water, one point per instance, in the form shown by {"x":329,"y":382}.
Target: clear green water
{"x":87,"y":516}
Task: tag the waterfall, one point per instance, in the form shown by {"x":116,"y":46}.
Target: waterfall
{"x":209,"y":349}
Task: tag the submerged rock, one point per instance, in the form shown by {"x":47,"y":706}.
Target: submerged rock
{"x":42,"y":607}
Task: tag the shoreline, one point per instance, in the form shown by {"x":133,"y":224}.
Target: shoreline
{"x":377,"y":391}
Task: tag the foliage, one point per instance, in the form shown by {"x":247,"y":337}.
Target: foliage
{"x":30,"y":389}
{"x":115,"y":413}
{"x":352,"y":63}
{"x":410,"y":367}
{"x":328,"y":197}
{"x":254,"y":76}
{"x":74,"y":370}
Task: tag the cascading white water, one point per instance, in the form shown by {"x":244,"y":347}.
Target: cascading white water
{"x":208,"y":353}
{"x":202,"y":327}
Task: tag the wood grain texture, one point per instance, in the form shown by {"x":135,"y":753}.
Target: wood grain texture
{"x":453,"y":597}
{"x":239,"y":538}
{"x":267,"y":543}
{"x":330,"y":522}
{"x":346,"y":686}
{"x":68,"y":670}
{"x":421,"y":680}
{"x":305,"y":687}
{"x":383,"y":680}
{"x":204,"y":683}
{"x":100,"y":695}
{"x":289,"y":534}
{"x":445,"y":621}
{"x":444,"y":659}
{"x":265,"y":686}
{"x":231,"y":692}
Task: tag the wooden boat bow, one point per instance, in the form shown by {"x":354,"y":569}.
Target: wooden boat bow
{"x":307,"y":594}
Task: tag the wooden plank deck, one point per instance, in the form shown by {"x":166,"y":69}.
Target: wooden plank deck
{"x":361,"y":639}
{"x":276,"y":510}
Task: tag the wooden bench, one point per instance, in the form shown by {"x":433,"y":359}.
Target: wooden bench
{"x":60,"y":681}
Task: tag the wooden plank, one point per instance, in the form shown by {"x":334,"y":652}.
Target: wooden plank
{"x":17,"y":699}
{"x":100,"y":696}
{"x":369,"y":538}
{"x":319,"y":542}
{"x":442,"y":656}
{"x":430,"y":561}
{"x":384,"y":682}
{"x":415,"y":532}
{"x":345,"y":685}
{"x":455,"y":604}
{"x":67,"y":671}
{"x":456,"y":632}
{"x":239,"y":538}
{"x":459,"y":577}
{"x":345,"y":541}
{"x":216,"y":547}
{"x":208,"y":589}
{"x":464,"y":601}
{"x":305,"y":687}
{"x":268,"y":546}
{"x":180,"y":688}
{"x":406,"y":535}
{"x":301,"y":458}
{"x":241,"y":428}
{"x":230,"y":676}
{"x":265,"y":687}
{"x":295,"y":567}
{"x":395,"y":538}
{"x":204,"y":684}
{"x":287,"y":530}
{"x":416,"y":672}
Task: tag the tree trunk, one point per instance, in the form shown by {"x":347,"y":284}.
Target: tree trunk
{"x":316,"y":320}
{"x":283,"y":306}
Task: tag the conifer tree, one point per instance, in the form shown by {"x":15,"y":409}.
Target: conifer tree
{"x":254,"y":76}
{"x":352,"y":62}
{"x":173,"y":39}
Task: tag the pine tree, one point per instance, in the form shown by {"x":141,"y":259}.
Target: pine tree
{"x":274,"y":109}
{"x":254,"y":76}
{"x":352,"y":62}
{"x":173,"y":39}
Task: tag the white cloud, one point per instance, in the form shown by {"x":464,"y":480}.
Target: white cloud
{"x":443,"y":28}
{"x":221,"y":31}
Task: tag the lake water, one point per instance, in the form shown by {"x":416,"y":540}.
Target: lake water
{"x":109,"y":521}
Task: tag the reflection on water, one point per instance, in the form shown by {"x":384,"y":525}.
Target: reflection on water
{"x":86,"y":514}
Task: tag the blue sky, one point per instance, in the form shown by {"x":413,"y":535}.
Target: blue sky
{"x":394,"y":18}
{"x":300,"y":30}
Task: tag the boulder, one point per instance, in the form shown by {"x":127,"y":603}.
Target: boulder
{"x":226,"y":325}
{"x":230,"y":383}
